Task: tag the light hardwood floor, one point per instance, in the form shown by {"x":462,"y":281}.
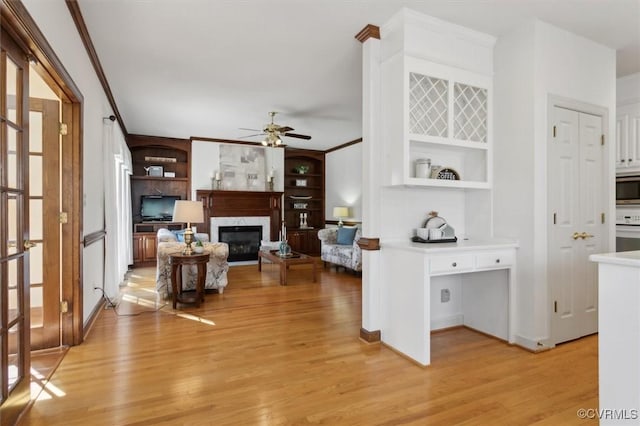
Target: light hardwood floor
{"x":265,"y":354}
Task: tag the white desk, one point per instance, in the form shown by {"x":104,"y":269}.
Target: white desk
{"x":619,"y":336}
{"x":408,"y":272}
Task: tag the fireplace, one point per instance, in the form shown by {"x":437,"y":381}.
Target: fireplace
{"x":243,"y":241}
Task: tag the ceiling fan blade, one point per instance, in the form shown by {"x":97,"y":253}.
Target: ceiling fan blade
{"x":285,"y":129}
{"x":250,"y":136}
{"x":253,"y":130}
{"x":296,"y":135}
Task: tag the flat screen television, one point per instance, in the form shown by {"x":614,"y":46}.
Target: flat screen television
{"x":157,"y":207}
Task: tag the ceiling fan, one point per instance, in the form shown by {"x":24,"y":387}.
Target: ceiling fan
{"x":273,"y":133}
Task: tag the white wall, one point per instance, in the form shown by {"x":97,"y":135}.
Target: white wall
{"x":513,"y":144}
{"x":405,"y":209}
{"x":55,"y":22}
{"x":628,"y":89}
{"x":205,"y":162}
{"x":536,"y":61}
{"x":343,"y":181}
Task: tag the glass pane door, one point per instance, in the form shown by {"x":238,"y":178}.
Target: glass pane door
{"x":14,"y":263}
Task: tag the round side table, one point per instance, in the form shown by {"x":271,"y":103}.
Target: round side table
{"x":177,"y":261}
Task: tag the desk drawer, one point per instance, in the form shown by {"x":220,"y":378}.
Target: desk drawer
{"x":451,"y":264}
{"x":496,"y":259}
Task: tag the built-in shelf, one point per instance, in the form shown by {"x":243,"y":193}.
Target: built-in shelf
{"x":443,"y":183}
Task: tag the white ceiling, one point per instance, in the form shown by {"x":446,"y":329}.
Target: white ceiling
{"x":182,"y":68}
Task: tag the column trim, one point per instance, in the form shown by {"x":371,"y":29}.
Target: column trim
{"x":370,"y":336}
{"x":369,"y":31}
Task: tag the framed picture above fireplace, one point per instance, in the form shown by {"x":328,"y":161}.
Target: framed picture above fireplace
{"x":243,"y":168}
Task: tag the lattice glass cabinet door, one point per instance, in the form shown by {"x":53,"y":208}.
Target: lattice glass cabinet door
{"x":428,"y":105}
{"x":470,"y":113}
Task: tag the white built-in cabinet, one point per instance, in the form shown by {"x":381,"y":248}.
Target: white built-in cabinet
{"x":442,"y":114}
{"x":628,"y":138}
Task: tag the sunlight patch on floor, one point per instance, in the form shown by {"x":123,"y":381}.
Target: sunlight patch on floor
{"x":42,"y":389}
{"x":140,"y":289}
{"x":139,"y":301}
{"x":194,"y":318}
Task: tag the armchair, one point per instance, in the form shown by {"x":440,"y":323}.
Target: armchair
{"x":348,"y":256}
{"x":217,"y":267}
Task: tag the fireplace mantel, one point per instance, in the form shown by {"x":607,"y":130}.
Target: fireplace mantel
{"x":241,"y":203}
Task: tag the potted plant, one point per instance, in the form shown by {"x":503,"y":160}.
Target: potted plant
{"x":198,"y":248}
{"x":301,"y":169}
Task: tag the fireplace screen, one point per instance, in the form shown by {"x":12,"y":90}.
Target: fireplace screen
{"x":243,"y":241}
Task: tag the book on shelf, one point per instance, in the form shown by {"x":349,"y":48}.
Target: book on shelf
{"x":161,"y":159}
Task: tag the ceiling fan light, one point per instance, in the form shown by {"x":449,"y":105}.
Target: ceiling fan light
{"x":265,"y":143}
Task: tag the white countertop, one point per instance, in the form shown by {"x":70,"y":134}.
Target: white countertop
{"x":460,"y":245}
{"x":625,"y":258}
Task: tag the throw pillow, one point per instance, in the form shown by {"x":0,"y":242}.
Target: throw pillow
{"x":179,"y":235}
{"x":346,"y":235}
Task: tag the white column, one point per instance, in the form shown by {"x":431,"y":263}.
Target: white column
{"x":371,"y":182}
{"x":618,"y":337}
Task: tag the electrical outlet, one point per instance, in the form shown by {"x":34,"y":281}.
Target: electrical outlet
{"x":445,"y":295}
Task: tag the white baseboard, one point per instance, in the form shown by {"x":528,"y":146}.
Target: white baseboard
{"x":534,"y":345}
{"x":446,"y":322}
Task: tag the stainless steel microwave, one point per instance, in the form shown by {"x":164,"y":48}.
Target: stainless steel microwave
{"x":628,"y":190}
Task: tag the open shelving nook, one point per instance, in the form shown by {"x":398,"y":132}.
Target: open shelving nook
{"x":173,"y":155}
{"x":469,"y":159}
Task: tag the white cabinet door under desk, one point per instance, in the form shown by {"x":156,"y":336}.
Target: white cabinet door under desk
{"x":482,"y":272}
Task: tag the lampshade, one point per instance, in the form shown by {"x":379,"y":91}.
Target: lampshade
{"x":340,"y":211}
{"x":188,"y":211}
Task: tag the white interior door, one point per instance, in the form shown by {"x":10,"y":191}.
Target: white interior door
{"x":576,"y":200}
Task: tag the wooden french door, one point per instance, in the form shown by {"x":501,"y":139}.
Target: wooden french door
{"x":44,"y":223}
{"x":577,"y":203}
{"x":14,"y":231}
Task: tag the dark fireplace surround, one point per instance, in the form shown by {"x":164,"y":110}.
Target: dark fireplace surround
{"x":240,"y":204}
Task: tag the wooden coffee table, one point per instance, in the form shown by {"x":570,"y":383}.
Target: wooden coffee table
{"x":294,"y":259}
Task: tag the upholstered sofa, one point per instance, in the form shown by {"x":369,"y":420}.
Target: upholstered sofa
{"x":217,"y":267}
{"x":346,"y":255}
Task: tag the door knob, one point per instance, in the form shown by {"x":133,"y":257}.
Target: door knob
{"x":28,"y":244}
{"x":576,"y":235}
{"x":585,"y":235}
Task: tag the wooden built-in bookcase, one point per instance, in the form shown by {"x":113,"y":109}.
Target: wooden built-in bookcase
{"x":304,"y":194}
{"x":174,"y":156}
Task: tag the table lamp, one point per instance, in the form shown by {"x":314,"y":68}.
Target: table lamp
{"x":189,"y":212}
{"x":340,"y":212}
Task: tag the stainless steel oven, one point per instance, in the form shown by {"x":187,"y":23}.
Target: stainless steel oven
{"x":627,"y":228}
{"x":628,"y":190}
